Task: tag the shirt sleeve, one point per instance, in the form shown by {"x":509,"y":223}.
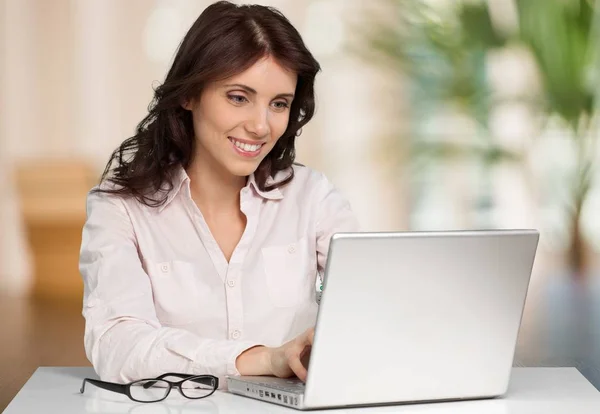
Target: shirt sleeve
{"x":124,"y":339}
{"x":334,"y":215}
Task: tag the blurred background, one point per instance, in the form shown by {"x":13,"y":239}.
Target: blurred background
{"x":432,"y":115}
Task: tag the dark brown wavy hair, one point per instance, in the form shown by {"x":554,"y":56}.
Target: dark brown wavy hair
{"x":224,"y":41}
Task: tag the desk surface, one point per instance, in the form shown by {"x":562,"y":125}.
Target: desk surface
{"x":532,"y":390}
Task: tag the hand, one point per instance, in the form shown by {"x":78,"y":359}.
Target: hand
{"x":292,"y":357}
{"x":283,"y":362}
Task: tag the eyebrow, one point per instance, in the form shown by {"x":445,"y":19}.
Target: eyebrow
{"x":253,"y":91}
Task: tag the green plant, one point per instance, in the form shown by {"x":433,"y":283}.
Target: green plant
{"x":443,"y":52}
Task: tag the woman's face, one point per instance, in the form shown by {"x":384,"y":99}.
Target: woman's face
{"x":238,"y":121}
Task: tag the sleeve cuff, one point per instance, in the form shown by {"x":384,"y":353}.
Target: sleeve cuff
{"x":232,"y":370}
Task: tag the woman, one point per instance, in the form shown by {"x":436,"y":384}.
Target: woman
{"x":203,"y":240}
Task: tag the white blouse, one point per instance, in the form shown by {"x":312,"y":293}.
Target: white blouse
{"x":161,"y":297}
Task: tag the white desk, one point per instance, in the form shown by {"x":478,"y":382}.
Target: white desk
{"x":532,"y":390}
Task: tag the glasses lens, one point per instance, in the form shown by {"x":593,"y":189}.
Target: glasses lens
{"x":149,"y":390}
{"x":198,"y":387}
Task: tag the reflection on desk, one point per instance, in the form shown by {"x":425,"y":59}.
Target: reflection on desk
{"x":532,"y":390}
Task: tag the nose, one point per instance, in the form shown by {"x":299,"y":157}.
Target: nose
{"x":258,"y":122}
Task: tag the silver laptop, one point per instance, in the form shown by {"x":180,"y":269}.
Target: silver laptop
{"x":411,"y":317}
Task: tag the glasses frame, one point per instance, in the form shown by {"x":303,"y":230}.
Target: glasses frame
{"x":126,"y":388}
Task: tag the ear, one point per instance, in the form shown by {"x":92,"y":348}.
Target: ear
{"x":187,"y":105}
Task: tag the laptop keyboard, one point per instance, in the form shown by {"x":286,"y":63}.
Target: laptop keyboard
{"x":292,"y":385}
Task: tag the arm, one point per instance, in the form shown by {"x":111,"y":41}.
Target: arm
{"x":124,"y":340}
{"x":334,"y":215}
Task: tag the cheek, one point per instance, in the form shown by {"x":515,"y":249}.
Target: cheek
{"x":279,"y":124}
{"x":215,"y":121}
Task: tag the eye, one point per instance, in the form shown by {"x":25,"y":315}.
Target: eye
{"x":237,"y":99}
{"x":281,"y":105}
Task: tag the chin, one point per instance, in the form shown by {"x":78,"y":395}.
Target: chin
{"x":241,"y":170}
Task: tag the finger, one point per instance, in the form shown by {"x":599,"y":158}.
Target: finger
{"x":311,"y":336}
{"x":299,"y":369}
{"x":305,"y":357}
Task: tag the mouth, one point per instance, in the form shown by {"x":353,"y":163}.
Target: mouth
{"x":246,"y":148}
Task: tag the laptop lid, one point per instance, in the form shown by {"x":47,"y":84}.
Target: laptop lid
{"x":419,"y":316}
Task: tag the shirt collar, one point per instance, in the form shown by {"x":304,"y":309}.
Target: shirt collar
{"x":180,"y":178}
{"x":274,"y":194}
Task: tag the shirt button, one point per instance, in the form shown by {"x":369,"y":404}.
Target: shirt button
{"x":292,"y":249}
{"x":231,"y":283}
{"x":164,"y":268}
{"x":236,"y":334}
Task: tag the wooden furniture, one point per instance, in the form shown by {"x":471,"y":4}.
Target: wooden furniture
{"x":52,"y":198}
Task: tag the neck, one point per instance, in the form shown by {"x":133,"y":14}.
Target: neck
{"x":214,"y":190}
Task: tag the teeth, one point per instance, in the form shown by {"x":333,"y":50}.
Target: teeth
{"x":246,"y":147}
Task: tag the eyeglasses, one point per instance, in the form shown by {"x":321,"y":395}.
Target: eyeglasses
{"x":157,"y":389}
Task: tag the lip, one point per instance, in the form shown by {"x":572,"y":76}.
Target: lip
{"x":243,"y":153}
{"x":247,"y":141}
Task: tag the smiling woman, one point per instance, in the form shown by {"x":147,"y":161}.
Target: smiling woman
{"x":203,"y":231}
{"x":225,"y":45}
{"x":238,"y":121}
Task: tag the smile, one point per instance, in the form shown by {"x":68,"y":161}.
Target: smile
{"x":246,"y":149}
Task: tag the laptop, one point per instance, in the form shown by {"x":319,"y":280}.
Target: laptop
{"x":411,"y":317}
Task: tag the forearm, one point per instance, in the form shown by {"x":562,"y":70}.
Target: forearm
{"x":254,"y":361}
{"x":131,"y":350}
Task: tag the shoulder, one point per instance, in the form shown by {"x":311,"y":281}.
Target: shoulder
{"x":312,"y":190}
{"x":307,"y":181}
{"x":102,"y":199}
{"x":110,"y":216}
{"x":110,"y":193}
{"x":315,"y":191}
{"x":105,"y":193}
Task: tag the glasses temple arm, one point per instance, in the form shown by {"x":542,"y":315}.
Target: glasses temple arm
{"x":110,"y":386}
